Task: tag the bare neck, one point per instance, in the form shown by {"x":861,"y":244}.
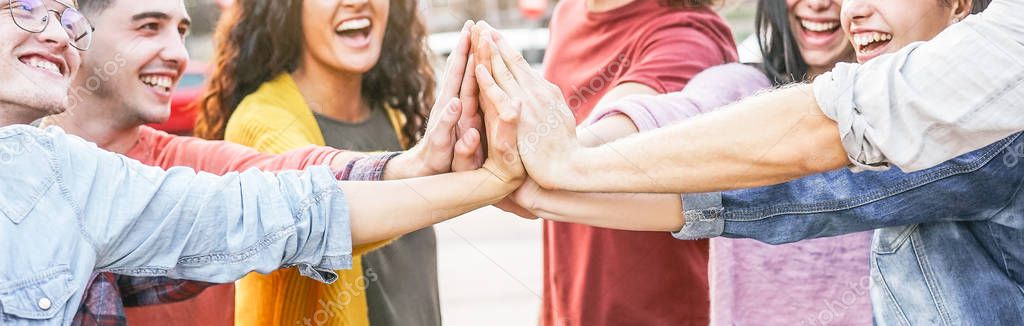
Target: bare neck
{"x":336,"y":96}
{"x":97,"y":126}
{"x":606,"y":5}
{"x":15,"y":115}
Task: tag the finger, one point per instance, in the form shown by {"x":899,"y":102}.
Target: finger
{"x":514,"y":59}
{"x":492,"y":94}
{"x":465,"y":152}
{"x":456,"y":66}
{"x":471,"y":118}
{"x":506,"y":135}
{"x":468,"y":94}
{"x":501,"y":73}
{"x":441,"y":134}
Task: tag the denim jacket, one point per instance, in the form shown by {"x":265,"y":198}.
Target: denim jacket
{"x":950,"y":244}
{"x":68,"y":209}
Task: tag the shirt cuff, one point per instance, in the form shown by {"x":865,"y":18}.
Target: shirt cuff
{"x":834,"y":92}
{"x":369,"y":168}
{"x":703,"y":215}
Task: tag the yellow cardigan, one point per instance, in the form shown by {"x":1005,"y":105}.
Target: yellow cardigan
{"x":276,"y":119}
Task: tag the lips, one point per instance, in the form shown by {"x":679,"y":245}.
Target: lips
{"x":355,"y":32}
{"x":870,"y":44}
{"x":819,"y":32}
{"x":161,"y":84}
{"x":47,"y":64}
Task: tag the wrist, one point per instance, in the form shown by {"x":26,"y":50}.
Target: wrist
{"x":406,"y":165}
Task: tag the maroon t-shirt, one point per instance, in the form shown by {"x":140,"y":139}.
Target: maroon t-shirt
{"x":595,"y":276}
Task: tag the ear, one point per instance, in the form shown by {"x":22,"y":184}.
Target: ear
{"x":961,"y":8}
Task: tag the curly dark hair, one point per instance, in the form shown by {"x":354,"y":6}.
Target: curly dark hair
{"x":402,"y":78}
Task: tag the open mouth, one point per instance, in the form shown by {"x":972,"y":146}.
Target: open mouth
{"x":822,"y":27}
{"x":48,"y":65}
{"x":871,"y":44}
{"x":355,"y":32}
{"x":162,"y":84}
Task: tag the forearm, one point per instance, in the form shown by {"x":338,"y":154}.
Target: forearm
{"x":388,"y":209}
{"x":632,"y":212}
{"x":645,"y":212}
{"x":764,"y":140}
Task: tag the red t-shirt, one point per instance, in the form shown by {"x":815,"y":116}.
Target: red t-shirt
{"x":595,"y":276}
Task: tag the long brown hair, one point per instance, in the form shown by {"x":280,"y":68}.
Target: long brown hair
{"x":260,"y":39}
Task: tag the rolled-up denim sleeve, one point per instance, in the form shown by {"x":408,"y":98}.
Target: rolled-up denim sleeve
{"x":145,"y":221}
{"x":975,"y":186}
{"x":932,"y":101}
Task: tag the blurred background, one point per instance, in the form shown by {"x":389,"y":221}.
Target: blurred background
{"x":490,"y":261}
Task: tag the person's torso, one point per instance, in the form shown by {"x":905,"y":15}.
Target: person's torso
{"x":47,"y":261}
{"x":590,"y":53}
{"x":963,"y":269}
{"x":284,"y":297}
{"x":401,"y":277}
{"x":951,"y":273}
{"x":596,"y":276}
{"x":812,"y":282}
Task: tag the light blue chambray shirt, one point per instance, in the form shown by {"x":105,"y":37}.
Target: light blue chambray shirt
{"x":68,"y":209}
{"x":933,"y":101}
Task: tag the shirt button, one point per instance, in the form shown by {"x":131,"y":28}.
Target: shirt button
{"x":44,"y":303}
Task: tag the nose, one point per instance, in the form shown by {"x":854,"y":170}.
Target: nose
{"x":175,"y":54}
{"x":354,"y":3}
{"x":54,"y":35}
{"x":857,"y":9}
{"x":819,"y":5}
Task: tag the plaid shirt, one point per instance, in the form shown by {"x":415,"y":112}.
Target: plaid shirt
{"x":108,"y":294}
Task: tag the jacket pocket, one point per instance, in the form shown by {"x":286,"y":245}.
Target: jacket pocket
{"x":39,"y":297}
{"x":888,"y":241}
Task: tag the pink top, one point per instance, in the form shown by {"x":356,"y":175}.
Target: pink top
{"x":813,"y":282}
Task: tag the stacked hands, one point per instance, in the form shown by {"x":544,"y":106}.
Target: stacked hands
{"x":489,"y":89}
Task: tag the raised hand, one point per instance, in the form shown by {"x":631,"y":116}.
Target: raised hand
{"x":547,"y":128}
{"x":453,"y":128}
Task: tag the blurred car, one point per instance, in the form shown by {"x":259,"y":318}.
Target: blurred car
{"x":184,"y":99}
{"x":533,"y":42}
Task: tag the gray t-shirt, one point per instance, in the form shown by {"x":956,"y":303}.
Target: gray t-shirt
{"x":401,"y":277}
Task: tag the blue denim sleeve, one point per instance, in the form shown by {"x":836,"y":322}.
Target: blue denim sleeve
{"x":144,"y":221}
{"x":975,"y":186}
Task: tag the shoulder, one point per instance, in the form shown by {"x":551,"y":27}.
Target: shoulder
{"x":276,"y":106}
{"x":692,"y":25}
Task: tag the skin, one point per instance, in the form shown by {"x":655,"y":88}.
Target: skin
{"x":109,"y":103}
{"x":411,"y":204}
{"x":793,"y":138}
{"x":661,"y":212}
{"x":30,"y":93}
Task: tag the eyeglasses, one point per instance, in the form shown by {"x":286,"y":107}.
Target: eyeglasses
{"x":33,"y":16}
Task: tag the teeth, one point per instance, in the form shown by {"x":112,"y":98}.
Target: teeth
{"x":44,"y":64}
{"x":864,"y":39}
{"x":355,"y":24}
{"x":157,"y":81}
{"x":818,"y":26}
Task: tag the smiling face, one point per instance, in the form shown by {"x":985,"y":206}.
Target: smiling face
{"x":876,"y":27}
{"x":816,"y":28}
{"x":37,"y":67}
{"x":136,"y":61}
{"x":343,"y":36}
